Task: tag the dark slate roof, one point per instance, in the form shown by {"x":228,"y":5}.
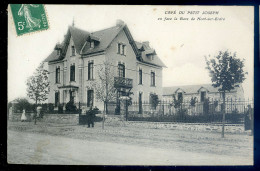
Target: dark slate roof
{"x":190,"y":89}
{"x":105,"y":36}
{"x":79,"y":37}
{"x":103,"y":39}
{"x":146,"y":51}
{"x":52,"y":57}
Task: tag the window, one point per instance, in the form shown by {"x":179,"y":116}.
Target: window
{"x":140,"y":76}
{"x":121,"y":49}
{"x":92,"y":45}
{"x":72,"y":50}
{"x":72,"y":72}
{"x":118,"y":48}
{"x":180,"y":96}
{"x":90,"y":98}
{"x":202,"y":96}
{"x":90,"y":71}
{"x":140,"y":103}
{"x":152,"y":79}
{"x":57,"y":98}
{"x":58,"y":75}
{"x":121,"y":70}
{"x":58,"y":52}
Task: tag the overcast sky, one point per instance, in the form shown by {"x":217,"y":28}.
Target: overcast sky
{"x":181,"y":45}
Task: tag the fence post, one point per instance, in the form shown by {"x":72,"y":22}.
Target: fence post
{"x":231,"y":105}
{"x":163,"y":107}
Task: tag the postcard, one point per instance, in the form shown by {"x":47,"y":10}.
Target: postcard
{"x":130,"y":85}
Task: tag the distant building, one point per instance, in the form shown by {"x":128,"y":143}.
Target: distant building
{"x":73,"y":64}
{"x":201,"y":92}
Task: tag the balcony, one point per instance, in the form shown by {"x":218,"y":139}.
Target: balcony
{"x":121,"y":82}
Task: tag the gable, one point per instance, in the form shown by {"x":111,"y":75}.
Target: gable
{"x":194,"y":89}
{"x":104,"y":38}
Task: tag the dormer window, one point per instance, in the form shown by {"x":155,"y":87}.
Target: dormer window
{"x":92,"y":44}
{"x":58,"y":52}
{"x":72,"y":50}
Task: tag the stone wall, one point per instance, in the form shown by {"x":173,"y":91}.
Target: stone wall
{"x":17,"y":116}
{"x":49,"y":118}
{"x":202,"y":127}
{"x":61,"y":118}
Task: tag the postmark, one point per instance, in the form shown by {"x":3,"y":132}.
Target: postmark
{"x":29,"y":18}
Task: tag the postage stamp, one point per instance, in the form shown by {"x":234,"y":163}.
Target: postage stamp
{"x":29,"y":18}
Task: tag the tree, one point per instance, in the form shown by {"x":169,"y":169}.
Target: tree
{"x":193,"y":101}
{"x":226,"y":72}
{"x":38,"y":85}
{"x":22,"y":103}
{"x":154,"y":101}
{"x":104,"y":86}
{"x":178,"y":104}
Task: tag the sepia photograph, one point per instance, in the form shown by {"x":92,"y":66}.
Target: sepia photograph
{"x":130,"y":85}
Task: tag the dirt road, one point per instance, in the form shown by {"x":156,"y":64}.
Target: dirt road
{"x":33,"y":148}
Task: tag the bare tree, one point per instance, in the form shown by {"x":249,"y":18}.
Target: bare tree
{"x":104,"y":86}
{"x":226,"y":72}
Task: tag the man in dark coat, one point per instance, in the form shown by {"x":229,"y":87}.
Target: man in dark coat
{"x":90,"y":117}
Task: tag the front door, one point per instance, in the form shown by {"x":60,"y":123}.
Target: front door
{"x":71,"y":96}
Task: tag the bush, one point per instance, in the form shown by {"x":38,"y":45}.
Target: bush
{"x":71,"y":107}
{"x":60,"y":108}
{"x":154,"y":101}
{"x":50,"y":107}
{"x":21,"y":104}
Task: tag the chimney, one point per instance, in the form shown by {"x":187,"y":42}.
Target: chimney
{"x":146,"y":43}
{"x":119,"y":23}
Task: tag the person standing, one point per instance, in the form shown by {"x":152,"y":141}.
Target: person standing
{"x":90,"y":117}
{"x":23,"y":117}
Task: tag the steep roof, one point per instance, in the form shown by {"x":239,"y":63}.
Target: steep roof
{"x":104,"y":38}
{"x":190,"y":89}
{"x":79,"y":37}
{"x":146,"y":51}
{"x":52,"y":57}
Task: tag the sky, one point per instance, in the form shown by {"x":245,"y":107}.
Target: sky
{"x":181,"y":44}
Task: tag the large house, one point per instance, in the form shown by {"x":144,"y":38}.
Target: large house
{"x":74,"y":64}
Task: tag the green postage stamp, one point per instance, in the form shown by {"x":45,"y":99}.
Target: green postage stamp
{"x":29,"y":18}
